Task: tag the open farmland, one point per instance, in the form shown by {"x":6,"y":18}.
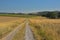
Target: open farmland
{"x":7,"y":24}
{"x":33,"y":28}
{"x":45,"y":29}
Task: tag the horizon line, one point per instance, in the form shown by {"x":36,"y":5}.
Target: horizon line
{"x":29,"y":11}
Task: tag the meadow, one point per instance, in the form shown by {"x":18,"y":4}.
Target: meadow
{"x":7,"y":24}
{"x":45,"y":29}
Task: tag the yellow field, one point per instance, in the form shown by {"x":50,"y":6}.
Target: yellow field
{"x":45,"y":29}
{"x":7,"y":24}
{"x":42,"y":28}
{"x":20,"y":34}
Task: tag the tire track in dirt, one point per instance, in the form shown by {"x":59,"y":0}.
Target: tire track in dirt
{"x":28,"y":33}
{"x":12,"y":34}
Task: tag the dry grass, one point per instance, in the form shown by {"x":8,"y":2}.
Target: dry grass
{"x":45,"y":29}
{"x":7,"y":24}
{"x":20,"y":34}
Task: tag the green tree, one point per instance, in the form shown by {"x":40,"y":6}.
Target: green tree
{"x":52,"y":15}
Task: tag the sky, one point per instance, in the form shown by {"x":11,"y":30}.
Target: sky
{"x":29,"y":5}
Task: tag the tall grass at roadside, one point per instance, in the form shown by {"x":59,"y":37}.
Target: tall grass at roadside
{"x":46,"y":29}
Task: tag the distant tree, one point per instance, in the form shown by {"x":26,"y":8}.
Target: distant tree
{"x":30,"y":13}
{"x":59,"y":14}
{"x":48,"y":14}
{"x":42,"y":13}
{"x":52,"y":15}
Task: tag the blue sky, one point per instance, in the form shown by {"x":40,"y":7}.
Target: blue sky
{"x":29,"y":5}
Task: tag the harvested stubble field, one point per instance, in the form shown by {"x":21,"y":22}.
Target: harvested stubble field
{"x":7,"y":24}
{"x":45,"y":29}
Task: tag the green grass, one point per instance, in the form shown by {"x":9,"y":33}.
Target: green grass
{"x":18,"y":15}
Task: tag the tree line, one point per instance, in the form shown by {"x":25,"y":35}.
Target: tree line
{"x":48,"y":14}
{"x":53,"y":15}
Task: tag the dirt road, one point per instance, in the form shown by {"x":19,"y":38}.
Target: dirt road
{"x":28,"y":32}
{"x":11,"y":34}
